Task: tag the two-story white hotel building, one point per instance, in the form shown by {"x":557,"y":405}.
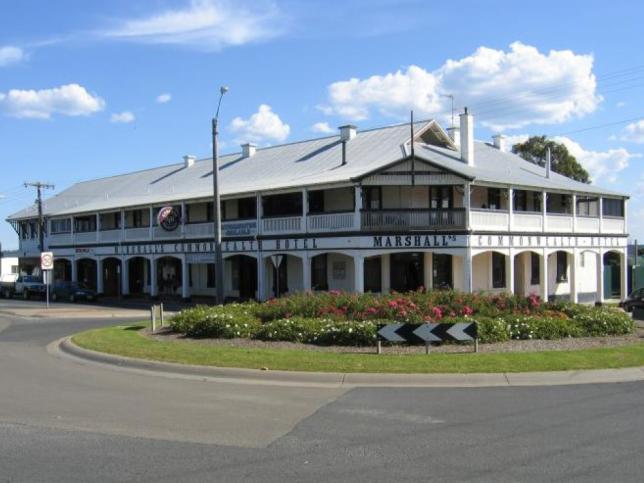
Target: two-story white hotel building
{"x":355,"y":211}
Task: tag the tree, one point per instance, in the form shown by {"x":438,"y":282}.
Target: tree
{"x":562,"y":162}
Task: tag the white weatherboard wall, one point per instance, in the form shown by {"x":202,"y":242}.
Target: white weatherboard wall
{"x":199,"y":273}
{"x":337,"y":278}
{"x":586,"y":267}
{"x":555,"y":288}
{"x":9,"y":265}
{"x":481,"y":276}
{"x":458,"y":273}
{"x":523,"y":275}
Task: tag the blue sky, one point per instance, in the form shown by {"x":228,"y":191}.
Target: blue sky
{"x":90,"y":89}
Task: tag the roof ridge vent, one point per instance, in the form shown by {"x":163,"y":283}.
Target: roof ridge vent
{"x":348,"y":132}
{"x":499,"y":141}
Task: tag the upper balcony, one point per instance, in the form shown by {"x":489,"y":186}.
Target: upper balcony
{"x":348,"y":209}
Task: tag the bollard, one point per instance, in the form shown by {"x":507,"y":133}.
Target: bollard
{"x":154,"y":318}
{"x":379,"y":348}
{"x":161,"y":313}
{"x":426,"y":347}
{"x":476,"y":344}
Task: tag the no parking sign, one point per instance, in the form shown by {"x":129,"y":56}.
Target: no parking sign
{"x":46,"y":261}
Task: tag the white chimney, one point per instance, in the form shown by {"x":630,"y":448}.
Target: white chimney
{"x":499,"y":142}
{"x":348,"y":132}
{"x":454,"y":134}
{"x":188,"y":160}
{"x":248,"y":150}
{"x":548,"y":162}
{"x":467,"y":138}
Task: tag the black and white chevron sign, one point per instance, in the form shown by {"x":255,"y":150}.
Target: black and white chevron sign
{"x":431,"y":332}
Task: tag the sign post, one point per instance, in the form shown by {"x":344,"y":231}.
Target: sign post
{"x":46,"y":266}
{"x":277,"y":261}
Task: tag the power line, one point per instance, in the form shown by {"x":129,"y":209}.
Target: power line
{"x":598,"y":126}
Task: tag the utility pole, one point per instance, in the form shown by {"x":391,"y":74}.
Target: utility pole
{"x":41,"y":225}
{"x":216,"y":212}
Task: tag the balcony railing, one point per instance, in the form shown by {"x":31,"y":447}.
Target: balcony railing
{"x":613,"y":225}
{"x":199,"y":229}
{"x":523,"y":221}
{"x":60,"y":239}
{"x":587,"y":225}
{"x":560,"y":223}
{"x":85,"y":237}
{"x":142,"y":233}
{"x":109,"y":235}
{"x":490,"y":220}
{"x":325,"y":222}
{"x":161,"y":233}
{"x":412,"y":219}
{"x":285,"y":224}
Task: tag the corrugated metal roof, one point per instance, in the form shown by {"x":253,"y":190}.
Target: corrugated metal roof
{"x":294,"y":165}
{"x":494,"y":166}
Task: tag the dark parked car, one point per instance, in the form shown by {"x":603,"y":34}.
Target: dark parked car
{"x":72,"y":291}
{"x":634,"y":300}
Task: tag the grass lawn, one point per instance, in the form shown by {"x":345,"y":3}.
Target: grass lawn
{"x":127,"y":341}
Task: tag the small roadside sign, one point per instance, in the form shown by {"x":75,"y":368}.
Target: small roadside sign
{"x":277,"y":260}
{"x":46,"y":261}
{"x":46,"y":265}
{"x":428,"y":333}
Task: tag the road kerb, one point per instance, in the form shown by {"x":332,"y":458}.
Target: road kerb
{"x":67,"y":348}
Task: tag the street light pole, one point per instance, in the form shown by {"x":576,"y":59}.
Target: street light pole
{"x":216,"y":212}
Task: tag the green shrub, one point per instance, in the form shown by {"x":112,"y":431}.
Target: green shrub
{"x":221,"y":321}
{"x":320,"y":331}
{"x":344,"y":318}
{"x":548,"y":328}
{"x":601,"y":321}
{"x":492,"y":329}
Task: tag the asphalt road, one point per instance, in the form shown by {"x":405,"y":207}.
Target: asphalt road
{"x":65,"y":421}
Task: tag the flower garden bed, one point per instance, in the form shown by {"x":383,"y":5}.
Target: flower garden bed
{"x":347,"y":319}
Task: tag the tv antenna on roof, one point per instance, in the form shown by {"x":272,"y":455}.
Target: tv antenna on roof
{"x":452,"y":99}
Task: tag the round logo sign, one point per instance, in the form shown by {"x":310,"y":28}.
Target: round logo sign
{"x":169,"y":218}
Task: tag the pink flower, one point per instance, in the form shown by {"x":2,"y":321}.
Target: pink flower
{"x":467,"y":310}
{"x":437,"y":313}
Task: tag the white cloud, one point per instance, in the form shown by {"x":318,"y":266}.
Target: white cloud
{"x":634,"y":132}
{"x":208,"y":25}
{"x":262,"y":126}
{"x":620,"y":104}
{"x":603,"y":166}
{"x":124,"y":117}
{"x":504,"y":89}
{"x":163,"y":98}
{"x":67,"y":100}
{"x":11,"y":55}
{"x":322,"y":127}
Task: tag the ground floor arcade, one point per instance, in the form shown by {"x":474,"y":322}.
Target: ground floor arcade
{"x":583,"y":275}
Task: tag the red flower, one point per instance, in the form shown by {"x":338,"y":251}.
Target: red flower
{"x":437,"y":313}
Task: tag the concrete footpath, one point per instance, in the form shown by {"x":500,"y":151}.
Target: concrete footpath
{"x":67,"y":349}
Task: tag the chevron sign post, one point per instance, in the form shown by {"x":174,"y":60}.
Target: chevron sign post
{"x":428,"y":333}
